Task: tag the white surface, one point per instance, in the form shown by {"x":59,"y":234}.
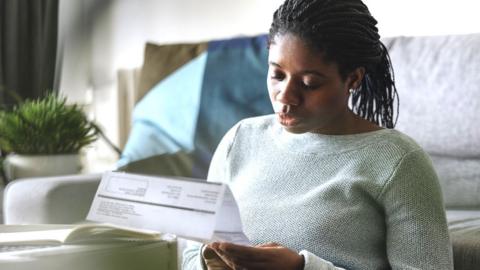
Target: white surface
{"x":49,"y":200}
{"x":458,"y":219}
{"x":2,"y":188}
{"x":84,"y":233}
{"x":99,"y":37}
{"x":158,"y":255}
{"x":23,"y":166}
{"x":425,"y":17}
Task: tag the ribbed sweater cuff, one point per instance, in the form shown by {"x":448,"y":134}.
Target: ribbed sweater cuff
{"x":313,"y":262}
{"x":201,"y":261}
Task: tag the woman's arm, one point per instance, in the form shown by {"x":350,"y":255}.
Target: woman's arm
{"x":417,"y":233}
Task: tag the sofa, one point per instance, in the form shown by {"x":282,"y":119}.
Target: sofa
{"x":191,"y":94}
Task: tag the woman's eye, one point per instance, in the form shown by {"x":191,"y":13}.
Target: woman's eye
{"x":309,"y":86}
{"x":277,"y":77}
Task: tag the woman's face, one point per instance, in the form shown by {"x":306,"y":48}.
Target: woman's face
{"x":313,"y":90}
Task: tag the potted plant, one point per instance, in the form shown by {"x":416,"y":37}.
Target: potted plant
{"x":44,"y":137}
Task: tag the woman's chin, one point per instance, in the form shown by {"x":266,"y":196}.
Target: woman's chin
{"x":294,"y":130}
{"x":293,"y":127}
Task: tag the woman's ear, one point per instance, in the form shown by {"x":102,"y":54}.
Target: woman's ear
{"x":355,"y":78}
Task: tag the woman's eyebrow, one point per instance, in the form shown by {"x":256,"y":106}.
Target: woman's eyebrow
{"x":313,"y":72}
{"x":274,"y":64}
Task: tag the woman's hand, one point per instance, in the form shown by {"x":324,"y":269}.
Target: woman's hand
{"x":266,"y":256}
{"x":212,"y":260}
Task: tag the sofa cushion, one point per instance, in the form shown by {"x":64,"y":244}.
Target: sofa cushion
{"x":234,"y":88}
{"x":162,"y":60}
{"x":460,"y":181}
{"x":464,"y":228}
{"x":438,"y":81}
{"x":189,"y":110}
{"x":164,"y":121}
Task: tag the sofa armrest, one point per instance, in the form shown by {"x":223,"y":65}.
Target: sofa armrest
{"x":49,"y":200}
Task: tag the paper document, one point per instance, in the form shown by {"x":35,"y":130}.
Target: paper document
{"x":190,"y":208}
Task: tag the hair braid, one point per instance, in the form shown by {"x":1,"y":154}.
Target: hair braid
{"x":346,"y":33}
{"x":377,"y":105}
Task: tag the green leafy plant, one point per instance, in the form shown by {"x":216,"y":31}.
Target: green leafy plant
{"x":46,"y":126}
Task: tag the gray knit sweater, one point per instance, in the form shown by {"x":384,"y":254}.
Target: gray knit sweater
{"x":362,"y":201}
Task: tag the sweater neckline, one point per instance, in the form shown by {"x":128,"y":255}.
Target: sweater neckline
{"x":312,"y":143}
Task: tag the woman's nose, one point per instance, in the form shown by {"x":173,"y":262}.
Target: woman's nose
{"x":288,"y":94}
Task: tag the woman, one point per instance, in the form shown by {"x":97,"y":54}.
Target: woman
{"x":320,"y":185}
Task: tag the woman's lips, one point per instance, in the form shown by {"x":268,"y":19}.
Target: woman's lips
{"x":288,"y":119}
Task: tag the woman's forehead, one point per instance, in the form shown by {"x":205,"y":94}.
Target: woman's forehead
{"x":292,"y":51}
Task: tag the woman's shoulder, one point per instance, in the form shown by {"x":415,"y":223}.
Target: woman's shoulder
{"x":257,"y":122}
{"x":397,"y":147}
{"x":247,"y":128}
{"x":385,"y":147}
{"x":401,"y":142}
{"x":253,"y":126}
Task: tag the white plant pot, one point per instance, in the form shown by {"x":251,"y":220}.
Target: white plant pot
{"x":23,"y":166}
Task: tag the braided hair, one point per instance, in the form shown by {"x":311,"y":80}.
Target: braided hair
{"x":346,"y":33}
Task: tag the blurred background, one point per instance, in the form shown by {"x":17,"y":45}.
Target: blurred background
{"x":94,"y":39}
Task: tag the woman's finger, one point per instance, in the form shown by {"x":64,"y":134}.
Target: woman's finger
{"x":270,"y":244}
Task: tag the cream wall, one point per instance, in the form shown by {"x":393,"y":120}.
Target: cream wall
{"x":99,"y":37}
{"x":425,"y":17}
